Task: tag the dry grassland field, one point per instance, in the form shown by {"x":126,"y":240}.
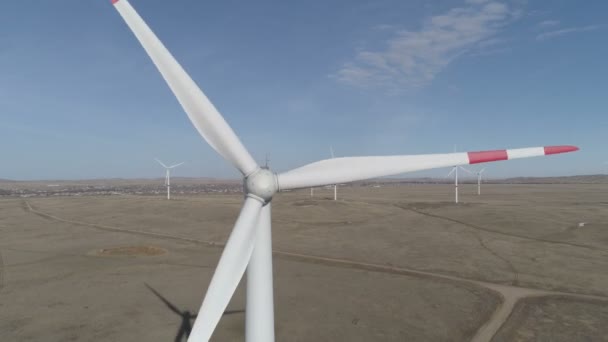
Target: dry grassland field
{"x":394,"y":263}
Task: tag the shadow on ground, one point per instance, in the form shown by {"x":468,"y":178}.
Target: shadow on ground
{"x":186,"y":316}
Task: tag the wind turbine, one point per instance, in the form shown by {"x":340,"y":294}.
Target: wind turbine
{"x":455,"y":172}
{"x":331,"y":150}
{"x":266,"y":162}
{"x":249,"y":246}
{"x":168,"y":175}
{"x":479,"y":180}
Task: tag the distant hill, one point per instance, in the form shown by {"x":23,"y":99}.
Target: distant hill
{"x":580,"y":179}
{"x":121,"y":181}
{"x":185,"y":181}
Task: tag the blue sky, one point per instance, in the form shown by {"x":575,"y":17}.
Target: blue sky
{"x":79,"y":98}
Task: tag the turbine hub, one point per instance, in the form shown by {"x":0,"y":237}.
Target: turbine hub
{"x":262,"y":184}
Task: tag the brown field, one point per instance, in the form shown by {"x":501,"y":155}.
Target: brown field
{"x":556,"y":319}
{"x":396,"y":263}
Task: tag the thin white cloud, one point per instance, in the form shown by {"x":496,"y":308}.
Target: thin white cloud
{"x":412,"y":59}
{"x":561,"y":32}
{"x":548,"y":23}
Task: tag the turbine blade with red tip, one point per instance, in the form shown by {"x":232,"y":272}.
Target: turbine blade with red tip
{"x":351,"y":169}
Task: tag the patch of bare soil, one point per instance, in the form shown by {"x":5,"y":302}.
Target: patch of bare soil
{"x":432,"y":205}
{"x":556,"y":318}
{"x":305,"y":203}
{"x":132,"y":251}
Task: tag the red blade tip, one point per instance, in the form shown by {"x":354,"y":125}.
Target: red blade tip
{"x":560,"y":149}
{"x":487,"y":156}
{"x":114,"y":1}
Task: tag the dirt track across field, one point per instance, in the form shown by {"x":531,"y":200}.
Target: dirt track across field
{"x":501,"y":250}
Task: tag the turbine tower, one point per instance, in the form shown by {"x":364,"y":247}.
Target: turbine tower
{"x":249,"y":246}
{"x":168,"y":175}
{"x":331,"y":150}
{"x":266,"y":162}
{"x":455,"y":172}
{"x":479,"y":180}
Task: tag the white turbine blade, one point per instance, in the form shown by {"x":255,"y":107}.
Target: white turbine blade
{"x":350,"y":169}
{"x":229,"y":271}
{"x":331,"y":150}
{"x":482,"y":170}
{"x":451,"y":171}
{"x":176,"y":165}
{"x":160,"y":162}
{"x":465,"y":170}
{"x":205,"y":117}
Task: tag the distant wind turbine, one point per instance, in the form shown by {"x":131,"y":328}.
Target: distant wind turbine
{"x":168,"y":175}
{"x":266,"y":162}
{"x":331,"y":150}
{"x":479,"y":180}
{"x":455,"y":172}
{"x":312,"y":190}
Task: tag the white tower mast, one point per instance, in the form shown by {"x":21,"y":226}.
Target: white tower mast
{"x":455,"y":171}
{"x":479,"y":181}
{"x":331,"y":150}
{"x":168,"y":175}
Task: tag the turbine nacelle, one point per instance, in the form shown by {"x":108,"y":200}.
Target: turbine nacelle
{"x":262,"y":184}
